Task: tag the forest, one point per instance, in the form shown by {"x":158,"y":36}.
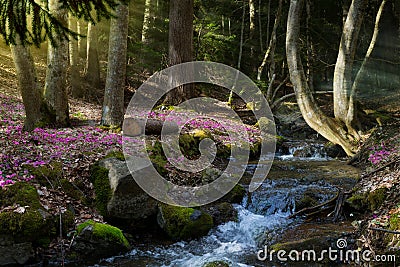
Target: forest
{"x":199,"y":133}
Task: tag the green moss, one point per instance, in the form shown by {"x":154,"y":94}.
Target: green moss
{"x":46,"y":174}
{"x":180,"y":225}
{"x":376,"y":198}
{"x":394,"y":222}
{"x":99,"y":178}
{"x":357,"y":202}
{"x":106,"y":232}
{"x":116,"y":154}
{"x":235,"y":195}
{"x":29,"y":226}
{"x":19,"y":193}
{"x":370,"y":200}
{"x":71,"y":190}
{"x":216,"y":264}
{"x":157,"y":157}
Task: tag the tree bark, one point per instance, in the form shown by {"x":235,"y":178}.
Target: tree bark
{"x":81,"y":29}
{"x":35,"y":107}
{"x":351,"y":113}
{"x":342,"y":80}
{"x":329,"y":128}
{"x":180,"y":48}
{"x":113,"y":105}
{"x":55,"y":90}
{"x":147,"y":20}
{"x":270,"y":53}
{"x":92,"y":69}
{"x":73,"y":60}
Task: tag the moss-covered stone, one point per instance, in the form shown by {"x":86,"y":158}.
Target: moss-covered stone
{"x":235,"y":195}
{"x":369,"y":200}
{"x":157,"y":157}
{"x":376,"y":198}
{"x":184,"y":223}
{"x":99,"y":178}
{"x":105,"y":231}
{"x":46,"y":174}
{"x":116,"y":154}
{"x":71,"y":190}
{"x":216,"y":264}
{"x":19,"y":193}
{"x":28,"y":224}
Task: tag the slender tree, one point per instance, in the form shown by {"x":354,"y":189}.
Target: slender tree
{"x":113,"y":105}
{"x":73,"y":60}
{"x":180,"y":45}
{"x":92,"y":68}
{"x":55,"y":90}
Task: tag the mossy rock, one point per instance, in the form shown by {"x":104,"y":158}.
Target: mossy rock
{"x":376,"y":198}
{"x":46,"y":175}
{"x":157,"y":157}
{"x":72,"y":190}
{"x":216,"y":264}
{"x":236,"y":195}
{"x":369,"y":200}
{"x":19,"y":193}
{"x":99,"y":178}
{"x":181,"y":223}
{"x":116,"y":154}
{"x":95,"y":240}
{"x":394,"y":222}
{"x":105,"y":232}
{"x":31,"y":223}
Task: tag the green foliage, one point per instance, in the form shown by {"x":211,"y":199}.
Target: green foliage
{"x":106,"y":232}
{"x":116,"y":154}
{"x":15,"y":19}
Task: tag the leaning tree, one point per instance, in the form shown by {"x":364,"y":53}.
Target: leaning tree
{"x":342,"y":129}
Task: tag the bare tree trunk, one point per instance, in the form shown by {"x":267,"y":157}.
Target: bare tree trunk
{"x":35,"y":107}
{"x":230,"y":98}
{"x":148,"y":10}
{"x":73,"y":60}
{"x":342,"y":80}
{"x":81,"y":29}
{"x":310,"y":48}
{"x":269,"y":56}
{"x":180,"y":45}
{"x":113,"y":106}
{"x":92,"y":69}
{"x":313,"y":115}
{"x":252,"y":26}
{"x":260,"y":29}
{"x":351,"y":114}
{"x":55,"y":90}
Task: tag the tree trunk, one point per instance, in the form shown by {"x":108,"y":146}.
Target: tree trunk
{"x":113,"y":106}
{"x":35,"y":107}
{"x":147,"y":20}
{"x":329,"y":128}
{"x":73,"y":60}
{"x":92,"y":69}
{"x":270,"y":53}
{"x":342,"y":80}
{"x":81,"y":29}
{"x":252,"y":18}
{"x":351,"y":113}
{"x":55,"y":90}
{"x":180,"y":45}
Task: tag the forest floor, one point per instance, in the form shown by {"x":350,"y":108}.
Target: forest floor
{"x":79,"y":147}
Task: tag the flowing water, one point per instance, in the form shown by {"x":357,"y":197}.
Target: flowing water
{"x":262,"y":216}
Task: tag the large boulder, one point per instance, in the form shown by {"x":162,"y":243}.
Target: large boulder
{"x":98,"y":240}
{"x":183,"y":223}
{"x":24,"y":224}
{"x":118,"y":196}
